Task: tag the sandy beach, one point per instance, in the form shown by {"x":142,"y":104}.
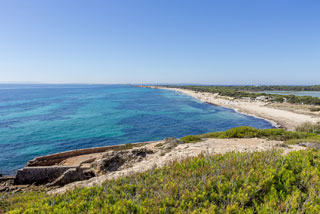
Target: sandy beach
{"x":283,"y":118}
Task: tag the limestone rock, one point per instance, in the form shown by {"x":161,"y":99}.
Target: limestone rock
{"x":39,"y":175}
{"x":171,"y":143}
{"x":173,"y":140}
{"x":72,"y":175}
{"x":113,"y":160}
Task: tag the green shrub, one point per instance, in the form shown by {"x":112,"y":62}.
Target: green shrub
{"x":241,"y":132}
{"x":238,"y":132}
{"x":212,"y":135}
{"x":191,"y":139}
{"x":259,"y":182}
{"x":250,"y":132}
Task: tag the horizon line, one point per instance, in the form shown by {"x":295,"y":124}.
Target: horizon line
{"x":204,"y":84}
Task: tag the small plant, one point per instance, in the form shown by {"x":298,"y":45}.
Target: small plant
{"x":159,"y":145}
{"x":163,"y":153}
{"x":191,"y":139}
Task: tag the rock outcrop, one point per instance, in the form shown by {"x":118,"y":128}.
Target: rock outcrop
{"x":114,"y":160}
{"x":78,"y":168}
{"x":6,"y":183}
{"x":39,"y":175}
{"x":171,"y":142}
{"x":310,"y":145}
{"x":72,"y":175}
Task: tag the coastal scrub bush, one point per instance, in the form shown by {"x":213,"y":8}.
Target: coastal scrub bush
{"x":306,"y":134}
{"x":191,"y":139}
{"x":309,"y":127}
{"x":250,"y":132}
{"x":259,"y":182}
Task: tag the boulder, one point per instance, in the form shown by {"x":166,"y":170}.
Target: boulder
{"x":113,"y":160}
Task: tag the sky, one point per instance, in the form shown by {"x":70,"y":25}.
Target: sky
{"x":160,"y":41}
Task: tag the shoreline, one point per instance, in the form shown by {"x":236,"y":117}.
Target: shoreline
{"x":87,"y":167}
{"x":272,"y":122}
{"x":278,"y":118}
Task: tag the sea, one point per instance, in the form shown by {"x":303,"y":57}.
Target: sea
{"x":296,"y":93}
{"x":37,"y":119}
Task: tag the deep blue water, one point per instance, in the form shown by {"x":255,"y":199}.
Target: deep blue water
{"x":43,"y":119}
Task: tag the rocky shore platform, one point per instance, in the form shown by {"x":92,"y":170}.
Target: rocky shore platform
{"x":66,"y":167}
{"x":87,"y":167}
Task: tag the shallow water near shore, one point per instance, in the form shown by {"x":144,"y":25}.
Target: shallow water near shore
{"x":38,"y":120}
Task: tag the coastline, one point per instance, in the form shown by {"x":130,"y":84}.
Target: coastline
{"x":60,"y":172}
{"x":92,"y":166}
{"x":279,"y":118}
{"x":272,"y":122}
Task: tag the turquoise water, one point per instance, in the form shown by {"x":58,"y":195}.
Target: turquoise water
{"x":296,"y":93}
{"x":44,"y":119}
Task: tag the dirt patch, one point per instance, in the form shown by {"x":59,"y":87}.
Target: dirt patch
{"x":78,"y":160}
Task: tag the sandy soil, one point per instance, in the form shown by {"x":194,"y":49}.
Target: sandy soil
{"x":284,"y":117}
{"x":78,"y":160}
{"x":162,"y":157}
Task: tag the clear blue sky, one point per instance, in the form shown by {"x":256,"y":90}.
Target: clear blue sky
{"x":163,"y":41}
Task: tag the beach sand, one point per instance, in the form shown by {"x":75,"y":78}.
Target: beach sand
{"x":284,"y":118}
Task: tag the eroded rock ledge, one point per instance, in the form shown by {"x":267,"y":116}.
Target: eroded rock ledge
{"x":66,"y":167}
{"x":87,"y":167}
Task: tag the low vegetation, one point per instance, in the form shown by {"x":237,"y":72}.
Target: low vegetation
{"x":306,"y":135}
{"x":191,"y":139}
{"x":259,"y":182}
{"x":315,"y":109}
{"x":309,"y":127}
{"x":251,"y":92}
{"x":277,"y":88}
